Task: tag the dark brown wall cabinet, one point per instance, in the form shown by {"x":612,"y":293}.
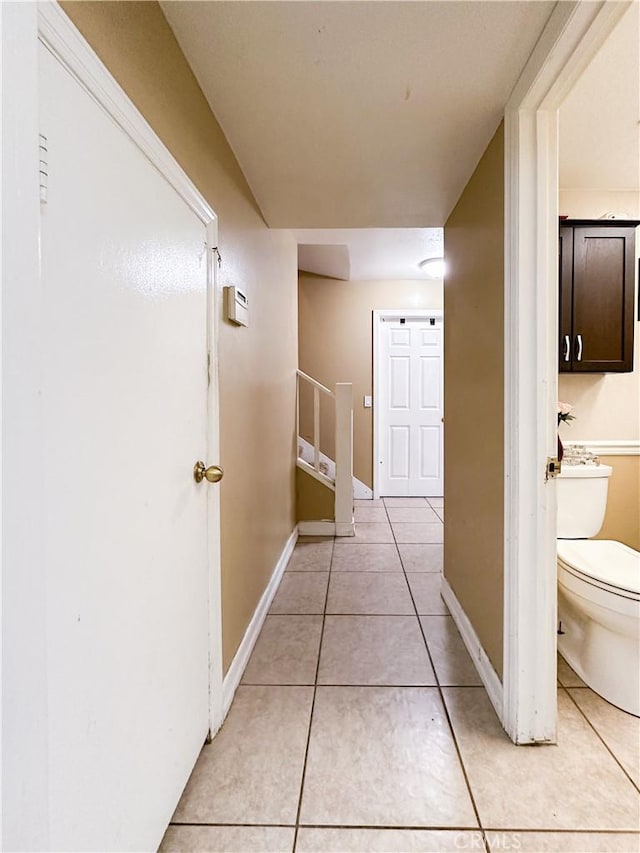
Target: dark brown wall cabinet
{"x":597,"y":275}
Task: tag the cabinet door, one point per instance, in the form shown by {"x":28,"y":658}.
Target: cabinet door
{"x":603,"y":282}
{"x":565,"y":266}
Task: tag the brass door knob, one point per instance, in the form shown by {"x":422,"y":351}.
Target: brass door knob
{"x":213,"y":474}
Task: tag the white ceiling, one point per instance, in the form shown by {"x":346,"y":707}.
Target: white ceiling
{"x":357,"y":114}
{"x":368,"y":254}
{"x":357,"y":124}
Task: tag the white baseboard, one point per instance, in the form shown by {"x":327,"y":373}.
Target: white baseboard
{"x":326,"y":528}
{"x":317,"y":528}
{"x":487,"y":673}
{"x":234,"y":674}
{"x":360,"y":490}
{"x":345,"y":528}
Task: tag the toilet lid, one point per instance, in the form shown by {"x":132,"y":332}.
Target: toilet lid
{"x":611,"y":563}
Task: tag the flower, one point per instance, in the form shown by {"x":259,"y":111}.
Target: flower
{"x":564,"y":412}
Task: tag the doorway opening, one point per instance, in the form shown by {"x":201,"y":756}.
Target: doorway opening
{"x":408,"y":400}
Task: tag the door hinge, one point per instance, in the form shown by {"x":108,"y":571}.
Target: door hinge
{"x":554,"y":466}
{"x":44,"y":167}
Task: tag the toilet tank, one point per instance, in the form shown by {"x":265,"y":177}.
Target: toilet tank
{"x":582,"y":500}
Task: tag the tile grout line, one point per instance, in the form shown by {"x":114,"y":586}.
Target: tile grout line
{"x":599,"y":736}
{"x":431,"y":615}
{"x":418,"y":828}
{"x":369,"y":571}
{"x":313,"y":702}
{"x":483,"y":830}
{"x":441,"y":694}
{"x":377,"y":686}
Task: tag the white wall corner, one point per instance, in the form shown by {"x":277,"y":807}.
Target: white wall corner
{"x":480,"y":659}
{"x":238,"y":665}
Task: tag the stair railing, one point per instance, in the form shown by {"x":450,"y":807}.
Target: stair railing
{"x":341,"y":480}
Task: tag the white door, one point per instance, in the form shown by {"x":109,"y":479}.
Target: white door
{"x":124,"y":391}
{"x":409,"y":406}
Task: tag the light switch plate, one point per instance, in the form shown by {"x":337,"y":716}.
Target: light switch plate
{"x":368,"y":402}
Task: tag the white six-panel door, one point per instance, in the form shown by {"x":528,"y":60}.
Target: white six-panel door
{"x":409,"y":405}
{"x":124,"y":392}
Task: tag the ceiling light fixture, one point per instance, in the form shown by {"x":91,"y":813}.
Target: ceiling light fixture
{"x":433,"y":267}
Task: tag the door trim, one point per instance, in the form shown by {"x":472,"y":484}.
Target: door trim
{"x":62,"y":38}
{"x":378,"y":316}
{"x":571,"y":38}
{"x":25,"y":803}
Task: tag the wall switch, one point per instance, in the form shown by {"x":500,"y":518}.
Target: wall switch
{"x":368,"y":402}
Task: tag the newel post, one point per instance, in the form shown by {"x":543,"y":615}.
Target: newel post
{"x":344,"y":459}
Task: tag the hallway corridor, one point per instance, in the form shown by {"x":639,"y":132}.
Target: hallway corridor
{"x":361,"y":723}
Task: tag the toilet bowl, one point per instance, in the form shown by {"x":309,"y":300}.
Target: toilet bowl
{"x":598,"y":592}
{"x":599,"y":615}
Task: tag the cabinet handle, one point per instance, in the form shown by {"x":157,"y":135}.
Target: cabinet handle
{"x":579,"y":346}
{"x":567,"y":347}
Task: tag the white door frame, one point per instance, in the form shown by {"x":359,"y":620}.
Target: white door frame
{"x":378,"y":316}
{"x":60,"y":35}
{"x":24,"y":631}
{"x":573,"y":35}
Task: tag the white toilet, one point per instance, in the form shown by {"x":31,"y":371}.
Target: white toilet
{"x":598,"y":591}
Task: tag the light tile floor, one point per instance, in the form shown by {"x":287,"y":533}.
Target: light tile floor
{"x":361,"y":724}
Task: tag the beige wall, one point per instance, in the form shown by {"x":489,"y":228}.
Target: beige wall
{"x":607,"y":406}
{"x":314,"y":501}
{"x":257,"y":364}
{"x":336,"y":345}
{"x":474,"y":399}
{"x":622,"y":519}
